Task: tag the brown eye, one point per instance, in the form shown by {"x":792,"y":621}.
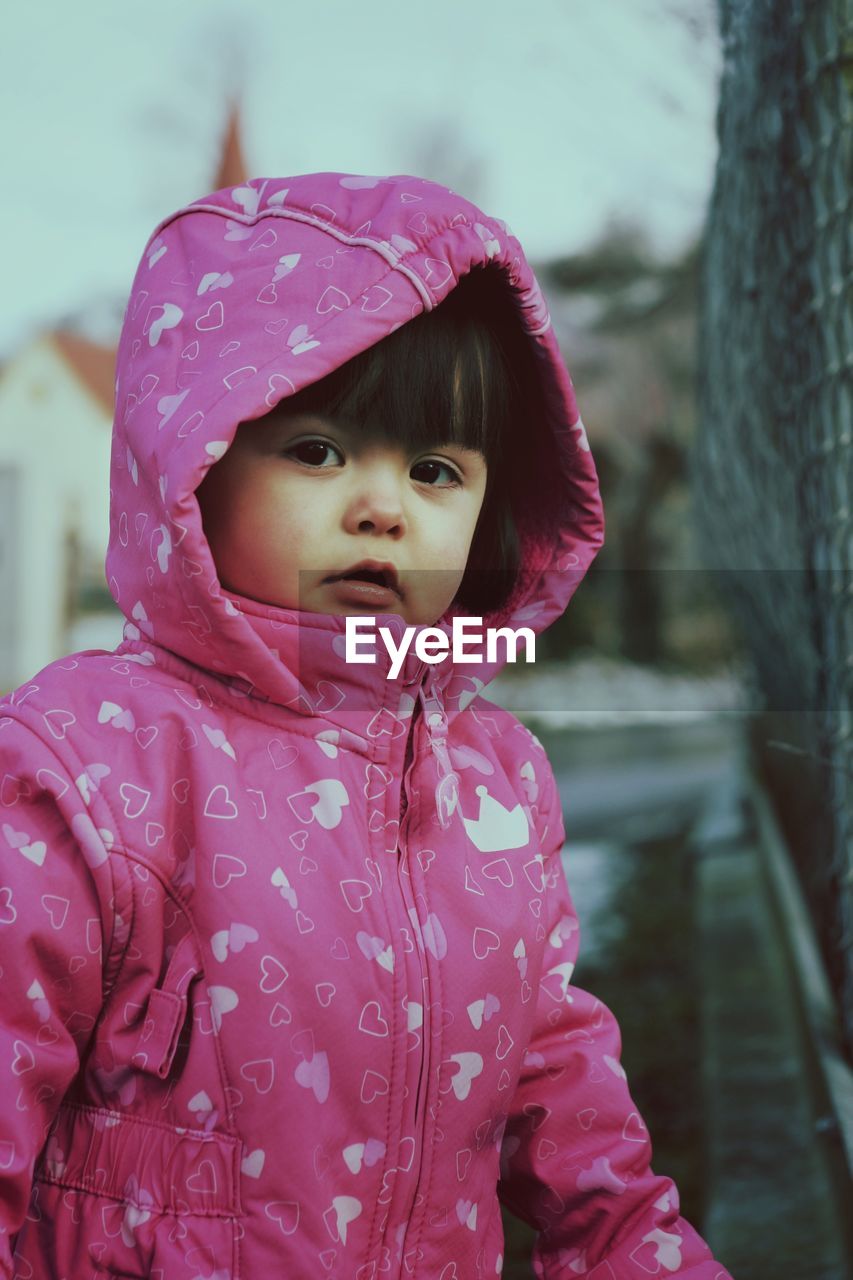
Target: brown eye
{"x":432,"y":471}
{"x":314,"y":453}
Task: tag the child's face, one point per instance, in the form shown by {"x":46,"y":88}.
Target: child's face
{"x":300,"y":500}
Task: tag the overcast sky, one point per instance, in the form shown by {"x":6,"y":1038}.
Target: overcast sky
{"x":553,"y":115}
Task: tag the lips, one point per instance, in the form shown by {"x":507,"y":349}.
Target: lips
{"x":377,"y":572}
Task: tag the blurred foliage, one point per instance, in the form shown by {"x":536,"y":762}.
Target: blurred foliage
{"x":626,"y":322}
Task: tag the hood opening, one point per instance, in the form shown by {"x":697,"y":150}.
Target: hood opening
{"x":248,"y":299}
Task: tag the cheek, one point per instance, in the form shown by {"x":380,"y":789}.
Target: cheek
{"x":452,"y":535}
{"x":264,"y":530}
{"x":465,"y":526}
{"x":221,"y":493}
{"x":244,"y":520}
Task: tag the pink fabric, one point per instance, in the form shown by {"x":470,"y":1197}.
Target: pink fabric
{"x":273,"y":1002}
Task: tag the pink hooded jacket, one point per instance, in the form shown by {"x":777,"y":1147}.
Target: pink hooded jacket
{"x":287,"y":945}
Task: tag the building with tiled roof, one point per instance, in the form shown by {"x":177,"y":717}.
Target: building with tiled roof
{"x":56,"y":409}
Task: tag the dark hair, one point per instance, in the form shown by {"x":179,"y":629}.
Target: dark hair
{"x":460,"y":365}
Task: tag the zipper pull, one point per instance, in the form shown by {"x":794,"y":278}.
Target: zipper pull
{"x":435,"y":719}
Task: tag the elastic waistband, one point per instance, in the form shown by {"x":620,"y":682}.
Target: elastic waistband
{"x":154,"y":1166}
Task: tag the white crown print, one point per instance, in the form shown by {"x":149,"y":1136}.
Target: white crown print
{"x":497,"y":828}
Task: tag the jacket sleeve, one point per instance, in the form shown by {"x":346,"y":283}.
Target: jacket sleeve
{"x":575,"y":1156}
{"x":55,"y":894}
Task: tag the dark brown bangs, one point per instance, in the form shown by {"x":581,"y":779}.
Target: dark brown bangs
{"x":444,"y":377}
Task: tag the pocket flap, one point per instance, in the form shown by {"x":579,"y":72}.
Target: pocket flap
{"x":166,"y":1011}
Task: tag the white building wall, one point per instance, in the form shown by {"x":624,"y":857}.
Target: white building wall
{"x":57,"y":437}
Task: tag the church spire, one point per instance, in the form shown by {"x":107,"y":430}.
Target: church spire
{"x":232,"y":170}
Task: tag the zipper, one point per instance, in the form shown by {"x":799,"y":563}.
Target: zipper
{"x":413,"y":924}
{"x":407,"y":764}
{"x":423,"y":1000}
{"x":446,"y":799}
{"x":418,"y":1112}
{"x":394,"y":1240}
{"x":435,"y":719}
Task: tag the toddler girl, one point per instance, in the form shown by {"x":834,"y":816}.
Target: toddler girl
{"x":287,"y":944}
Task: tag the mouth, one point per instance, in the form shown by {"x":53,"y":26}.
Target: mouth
{"x":371,"y":572}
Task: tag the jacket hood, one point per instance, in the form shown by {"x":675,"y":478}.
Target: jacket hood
{"x":245,"y":297}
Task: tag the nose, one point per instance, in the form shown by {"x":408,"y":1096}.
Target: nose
{"x":375,"y":505}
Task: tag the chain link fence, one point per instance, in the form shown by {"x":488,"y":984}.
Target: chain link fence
{"x":772,"y":465}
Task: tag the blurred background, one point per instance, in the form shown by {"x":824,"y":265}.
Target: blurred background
{"x":678,"y":172}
